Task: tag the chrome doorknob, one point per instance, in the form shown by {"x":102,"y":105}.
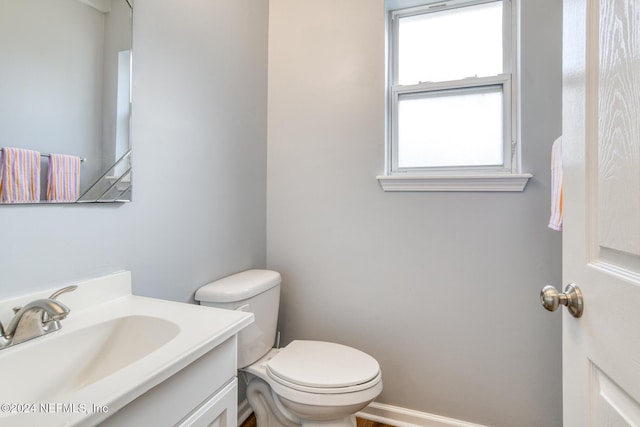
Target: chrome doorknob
{"x":571,"y":298}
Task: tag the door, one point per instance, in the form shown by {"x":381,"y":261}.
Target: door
{"x":601,"y":237}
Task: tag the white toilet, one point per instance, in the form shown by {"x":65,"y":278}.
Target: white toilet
{"x":306,"y":383}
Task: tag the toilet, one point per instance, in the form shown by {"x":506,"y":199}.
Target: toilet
{"x":306,"y":383}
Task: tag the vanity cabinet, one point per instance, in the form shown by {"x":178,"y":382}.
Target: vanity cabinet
{"x":202,"y":394}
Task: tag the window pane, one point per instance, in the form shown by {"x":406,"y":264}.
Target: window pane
{"x":450,"y":44}
{"x":451,"y":128}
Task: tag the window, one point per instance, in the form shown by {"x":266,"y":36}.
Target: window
{"x":451,"y":104}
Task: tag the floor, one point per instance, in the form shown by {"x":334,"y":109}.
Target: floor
{"x":251,"y":422}
{"x":367,"y":423}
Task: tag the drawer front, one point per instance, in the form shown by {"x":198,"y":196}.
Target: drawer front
{"x":219,"y":411}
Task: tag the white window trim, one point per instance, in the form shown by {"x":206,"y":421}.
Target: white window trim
{"x":455,"y":182}
{"x":504,"y":178}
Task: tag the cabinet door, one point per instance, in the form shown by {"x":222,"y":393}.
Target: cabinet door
{"x":219,"y":411}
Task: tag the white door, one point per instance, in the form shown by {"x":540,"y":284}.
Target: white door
{"x":601,"y":237}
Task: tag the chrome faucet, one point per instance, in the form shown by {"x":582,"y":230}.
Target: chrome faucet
{"x":35,"y":319}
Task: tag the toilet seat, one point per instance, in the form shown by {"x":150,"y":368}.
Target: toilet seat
{"x":315,"y":396}
{"x":323,"y":367}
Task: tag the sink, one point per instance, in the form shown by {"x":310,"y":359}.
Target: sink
{"x":113,"y":349}
{"x":65,"y":363}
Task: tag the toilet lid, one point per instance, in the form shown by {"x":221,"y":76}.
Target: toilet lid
{"x":319,"y":364}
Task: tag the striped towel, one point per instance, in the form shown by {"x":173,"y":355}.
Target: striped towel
{"x":19,"y":175}
{"x":555,"y":222}
{"x":63,"y":179}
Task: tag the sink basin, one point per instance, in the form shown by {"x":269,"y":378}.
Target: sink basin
{"x":63,"y":364}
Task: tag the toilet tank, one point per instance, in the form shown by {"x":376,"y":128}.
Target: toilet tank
{"x":254,"y":291}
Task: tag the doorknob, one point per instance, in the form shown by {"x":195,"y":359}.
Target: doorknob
{"x":571,"y":298}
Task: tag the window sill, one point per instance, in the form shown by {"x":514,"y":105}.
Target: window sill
{"x":478,"y":182}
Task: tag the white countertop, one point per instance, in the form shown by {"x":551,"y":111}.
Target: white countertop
{"x":25,"y":367}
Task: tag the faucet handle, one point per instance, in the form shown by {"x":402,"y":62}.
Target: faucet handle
{"x":45,"y":316}
{"x":57,"y":293}
{"x":2,"y":332}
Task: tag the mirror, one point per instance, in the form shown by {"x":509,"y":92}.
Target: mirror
{"x":65,"y":87}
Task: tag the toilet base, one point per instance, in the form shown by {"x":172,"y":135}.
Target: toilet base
{"x":270,"y":412}
{"x":343,"y":422}
{"x":262,"y":402}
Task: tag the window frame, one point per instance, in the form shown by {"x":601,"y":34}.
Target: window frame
{"x":504,"y":177}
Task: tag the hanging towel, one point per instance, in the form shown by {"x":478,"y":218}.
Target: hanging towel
{"x":19,"y":175}
{"x":555,"y":222}
{"x":63,"y":179}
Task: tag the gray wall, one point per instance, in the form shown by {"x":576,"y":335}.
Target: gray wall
{"x":199,"y":138}
{"x":442,"y":288}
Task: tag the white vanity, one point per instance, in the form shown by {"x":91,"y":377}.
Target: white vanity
{"x":120,"y":359}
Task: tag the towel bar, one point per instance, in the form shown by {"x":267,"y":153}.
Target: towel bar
{"x":82,"y":159}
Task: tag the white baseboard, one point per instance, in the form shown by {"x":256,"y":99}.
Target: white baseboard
{"x":386,"y":414}
{"x":401,"y":417}
{"x":244,"y":411}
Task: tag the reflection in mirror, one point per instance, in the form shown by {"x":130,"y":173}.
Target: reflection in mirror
{"x":113,"y":186}
{"x":65,"y":87}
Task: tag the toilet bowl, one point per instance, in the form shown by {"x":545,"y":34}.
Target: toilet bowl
{"x":316,"y":382}
{"x":306,"y":383}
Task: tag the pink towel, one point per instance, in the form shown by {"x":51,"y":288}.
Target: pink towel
{"x":63,"y":179}
{"x":19,"y":175}
{"x":555,"y":222}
